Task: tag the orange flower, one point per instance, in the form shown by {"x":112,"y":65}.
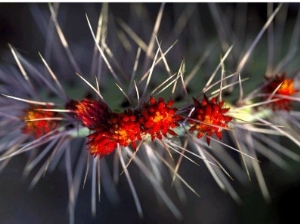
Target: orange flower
{"x":208,"y":118}
{"x":38,"y":122}
{"x":91,"y":113}
{"x":158,"y":118}
{"x":285,"y":87}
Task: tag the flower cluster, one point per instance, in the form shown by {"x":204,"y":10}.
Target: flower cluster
{"x":155,"y":118}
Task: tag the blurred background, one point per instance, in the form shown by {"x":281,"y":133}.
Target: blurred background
{"x":195,"y":29}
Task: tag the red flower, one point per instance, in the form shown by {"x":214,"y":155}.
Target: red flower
{"x":38,"y":122}
{"x":120,"y":128}
{"x":208,"y":118}
{"x":157,"y":118}
{"x":93,"y":114}
{"x":101,"y":143}
{"x":284,"y":87}
{"x":124,"y":128}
